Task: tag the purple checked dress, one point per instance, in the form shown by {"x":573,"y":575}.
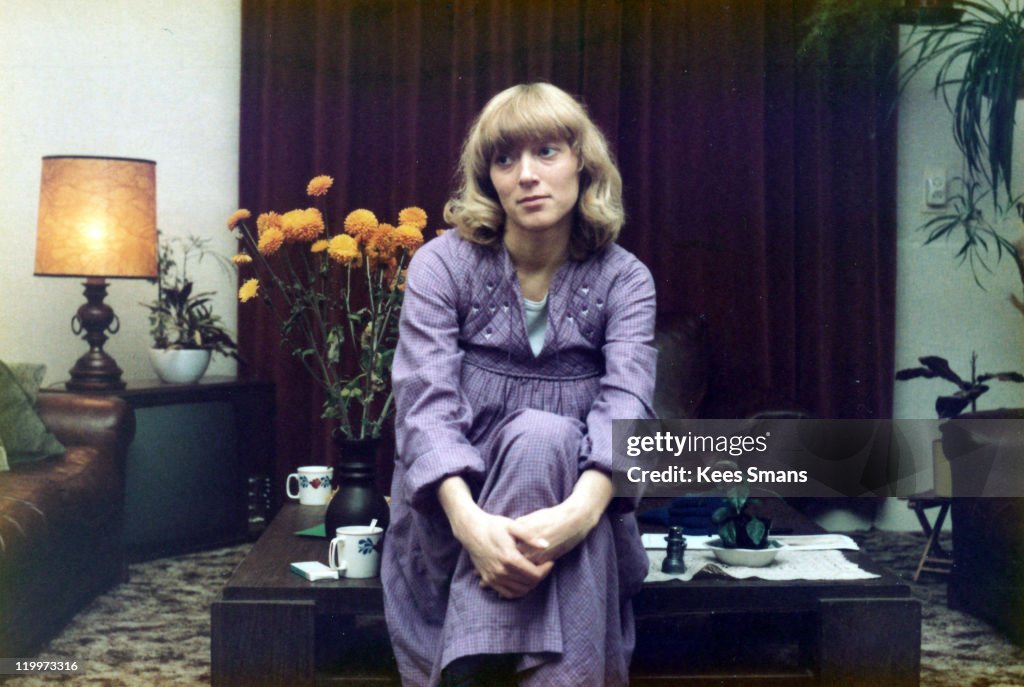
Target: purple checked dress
{"x":473,"y":400}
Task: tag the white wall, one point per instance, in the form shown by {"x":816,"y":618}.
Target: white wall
{"x":155,"y":79}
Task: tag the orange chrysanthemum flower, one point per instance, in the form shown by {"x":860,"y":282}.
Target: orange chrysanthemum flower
{"x":268,"y":220}
{"x":319,"y":185}
{"x":379,"y":244}
{"x":270,"y":241}
{"x":343,"y":249}
{"x":319,"y":246}
{"x":237,"y":216}
{"x":359,"y":223}
{"x":241,"y":259}
{"x":439,"y":232}
{"x":414,"y":216}
{"x":302,"y":225}
{"x":249,"y":290}
{"x":408,"y":237}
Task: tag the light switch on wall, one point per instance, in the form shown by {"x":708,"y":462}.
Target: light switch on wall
{"x":935,"y":186}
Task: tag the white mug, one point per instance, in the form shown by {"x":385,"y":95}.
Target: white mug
{"x":314,"y":485}
{"x":355,"y":551}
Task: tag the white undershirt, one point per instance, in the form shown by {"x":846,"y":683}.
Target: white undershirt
{"x":536,"y":322}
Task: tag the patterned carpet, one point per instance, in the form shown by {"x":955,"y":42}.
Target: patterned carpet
{"x":957,"y":650}
{"x":154,"y":630}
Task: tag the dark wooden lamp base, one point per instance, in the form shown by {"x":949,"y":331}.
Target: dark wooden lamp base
{"x":96,"y":370}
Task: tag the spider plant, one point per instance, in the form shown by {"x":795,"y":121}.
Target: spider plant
{"x":988,"y":45}
{"x":983,"y":99}
{"x":979,"y":226}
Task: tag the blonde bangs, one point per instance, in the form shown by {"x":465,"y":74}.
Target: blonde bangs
{"x":520,"y":122}
{"x":526,"y":116}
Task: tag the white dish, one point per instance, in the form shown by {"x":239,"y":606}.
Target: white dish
{"x":750,"y":558}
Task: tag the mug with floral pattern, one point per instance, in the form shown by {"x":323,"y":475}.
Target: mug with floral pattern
{"x":314,"y":485}
{"x":355,"y":551}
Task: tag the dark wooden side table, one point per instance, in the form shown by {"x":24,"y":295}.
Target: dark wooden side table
{"x":934,"y":558}
{"x":269,"y":623}
{"x":189,"y":467}
{"x":271,"y":627}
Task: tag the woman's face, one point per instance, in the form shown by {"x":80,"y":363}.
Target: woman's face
{"x":537,"y":184}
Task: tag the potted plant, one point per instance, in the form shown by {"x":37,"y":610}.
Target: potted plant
{"x":952,"y":405}
{"x":742,"y":536}
{"x":337,"y":294}
{"x":968,"y":391}
{"x":979,"y":451}
{"x":184,"y":328}
{"x":336,"y":290}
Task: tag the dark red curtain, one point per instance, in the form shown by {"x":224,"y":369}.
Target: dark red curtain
{"x":759,"y":191}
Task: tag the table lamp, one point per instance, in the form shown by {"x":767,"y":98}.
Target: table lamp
{"x":97,"y":219}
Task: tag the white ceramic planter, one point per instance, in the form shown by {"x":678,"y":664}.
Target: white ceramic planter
{"x":750,"y":558}
{"x":179,"y":366}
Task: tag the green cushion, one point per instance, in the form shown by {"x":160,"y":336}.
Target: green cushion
{"x":29,"y":377}
{"x":22,"y":433}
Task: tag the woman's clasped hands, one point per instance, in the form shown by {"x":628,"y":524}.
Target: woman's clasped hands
{"x":513,"y":556}
{"x":494,"y":543}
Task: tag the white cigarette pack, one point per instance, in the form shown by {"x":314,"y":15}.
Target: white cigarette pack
{"x":314,"y":570}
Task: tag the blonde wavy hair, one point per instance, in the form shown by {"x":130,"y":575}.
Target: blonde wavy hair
{"x":525,"y":114}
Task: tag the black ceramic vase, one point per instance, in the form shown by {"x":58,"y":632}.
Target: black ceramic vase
{"x":357,"y":501}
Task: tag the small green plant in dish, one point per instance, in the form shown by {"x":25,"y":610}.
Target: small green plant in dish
{"x":738,"y":528}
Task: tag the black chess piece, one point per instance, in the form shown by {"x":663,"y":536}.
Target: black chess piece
{"x":674,"y":563}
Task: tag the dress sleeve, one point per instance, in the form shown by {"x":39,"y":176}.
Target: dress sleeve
{"x":432,"y":415}
{"x":630,"y":359}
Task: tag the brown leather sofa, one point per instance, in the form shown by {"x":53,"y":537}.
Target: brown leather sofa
{"x":61,"y":520}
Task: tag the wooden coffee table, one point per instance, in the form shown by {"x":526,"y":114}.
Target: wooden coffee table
{"x":271,"y":627}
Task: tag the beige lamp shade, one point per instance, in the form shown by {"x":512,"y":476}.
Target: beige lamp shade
{"x":97,"y":218}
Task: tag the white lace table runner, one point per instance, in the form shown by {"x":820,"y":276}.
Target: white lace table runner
{"x":788,"y":565}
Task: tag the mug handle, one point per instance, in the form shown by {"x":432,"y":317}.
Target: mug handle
{"x":334,"y":554}
{"x":288,"y":485}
